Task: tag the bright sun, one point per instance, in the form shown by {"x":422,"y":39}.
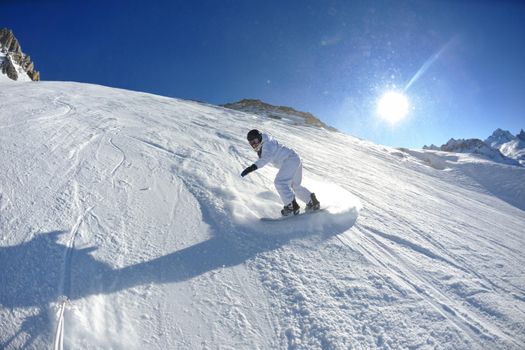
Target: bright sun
{"x":393,"y":106}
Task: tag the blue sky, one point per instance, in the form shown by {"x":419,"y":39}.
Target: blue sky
{"x":466,"y":59}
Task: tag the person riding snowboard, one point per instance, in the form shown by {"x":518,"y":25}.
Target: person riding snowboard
{"x":290,"y":174}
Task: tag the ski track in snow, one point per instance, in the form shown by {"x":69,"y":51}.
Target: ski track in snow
{"x":125,"y":224}
{"x":58,"y":342}
{"x":121,"y":161}
{"x":441,"y":303}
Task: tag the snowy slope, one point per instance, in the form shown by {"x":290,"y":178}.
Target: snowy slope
{"x":124,"y":224}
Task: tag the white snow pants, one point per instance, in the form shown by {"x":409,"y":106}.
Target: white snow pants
{"x":288,"y":181}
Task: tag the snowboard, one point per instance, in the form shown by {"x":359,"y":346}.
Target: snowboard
{"x":280,"y":218}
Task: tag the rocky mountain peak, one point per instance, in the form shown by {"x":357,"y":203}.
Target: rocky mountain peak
{"x":521,"y":135}
{"x":499,"y":137}
{"x":463,"y":145}
{"x":15,"y":64}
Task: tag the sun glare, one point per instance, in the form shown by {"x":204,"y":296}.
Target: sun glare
{"x":393,"y":107}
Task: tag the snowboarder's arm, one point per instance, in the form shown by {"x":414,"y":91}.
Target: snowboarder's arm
{"x":261,"y":162}
{"x":248,"y":170}
{"x":267,"y":153}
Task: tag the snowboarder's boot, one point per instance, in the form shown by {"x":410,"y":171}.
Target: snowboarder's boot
{"x":292,"y":208}
{"x":313,"y":204}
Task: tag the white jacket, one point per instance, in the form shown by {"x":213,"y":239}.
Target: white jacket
{"x":273,"y":152}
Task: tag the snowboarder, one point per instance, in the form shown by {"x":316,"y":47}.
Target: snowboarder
{"x":289,"y":177}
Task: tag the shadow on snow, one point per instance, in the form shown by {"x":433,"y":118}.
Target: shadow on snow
{"x":40,"y":271}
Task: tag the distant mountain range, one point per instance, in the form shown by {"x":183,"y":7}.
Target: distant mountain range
{"x":14,"y":64}
{"x":501,"y":146}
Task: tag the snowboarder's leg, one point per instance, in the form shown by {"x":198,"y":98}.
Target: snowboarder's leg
{"x":300,"y":191}
{"x":283,"y":180}
{"x":303,"y":193}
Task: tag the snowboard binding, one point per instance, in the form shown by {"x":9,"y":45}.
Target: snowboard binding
{"x":291,"y":208}
{"x":313,"y":204}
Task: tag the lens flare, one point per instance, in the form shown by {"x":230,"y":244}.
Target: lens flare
{"x":393,"y":107}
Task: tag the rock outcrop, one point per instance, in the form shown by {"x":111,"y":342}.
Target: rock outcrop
{"x":15,"y":64}
{"x":284,"y":113}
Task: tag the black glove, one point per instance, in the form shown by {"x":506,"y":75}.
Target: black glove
{"x":248,"y":170}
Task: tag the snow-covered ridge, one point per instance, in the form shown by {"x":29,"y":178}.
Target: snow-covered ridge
{"x":514,"y":148}
{"x":124,"y":224}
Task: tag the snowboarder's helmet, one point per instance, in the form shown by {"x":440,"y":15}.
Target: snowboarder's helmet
{"x":255,"y":139}
{"x":254,"y":134}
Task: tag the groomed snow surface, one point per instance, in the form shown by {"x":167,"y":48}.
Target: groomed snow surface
{"x":124,"y":224}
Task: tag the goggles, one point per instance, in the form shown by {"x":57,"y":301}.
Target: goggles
{"x":256,"y":144}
